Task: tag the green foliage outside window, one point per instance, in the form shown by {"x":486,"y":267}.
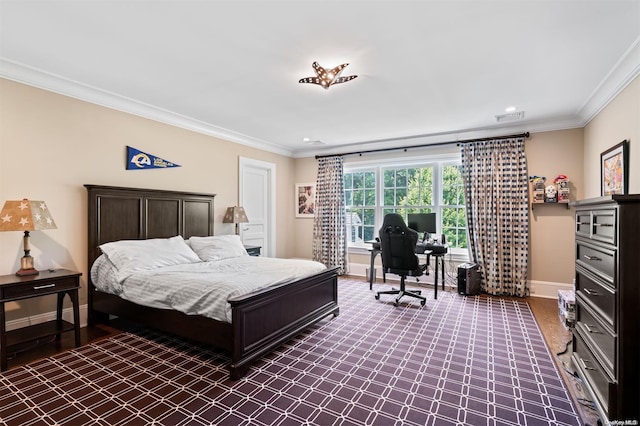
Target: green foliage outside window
{"x":405,"y":190}
{"x":360,"y":200}
{"x":454,"y":219}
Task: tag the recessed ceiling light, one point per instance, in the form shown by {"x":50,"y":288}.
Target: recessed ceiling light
{"x":510,"y":109}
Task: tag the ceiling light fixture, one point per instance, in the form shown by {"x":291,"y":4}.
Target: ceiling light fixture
{"x":326,"y":78}
{"x":510,"y":109}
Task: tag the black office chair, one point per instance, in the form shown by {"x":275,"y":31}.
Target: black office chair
{"x":398,"y":244}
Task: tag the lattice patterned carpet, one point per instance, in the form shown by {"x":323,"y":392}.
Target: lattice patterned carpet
{"x":459,"y":360}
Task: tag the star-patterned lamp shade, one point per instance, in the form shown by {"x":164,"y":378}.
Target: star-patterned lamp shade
{"x":26,"y":215}
{"x":235,"y":215}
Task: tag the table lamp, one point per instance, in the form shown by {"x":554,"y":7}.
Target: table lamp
{"x":26,"y":215}
{"x":235,"y":215}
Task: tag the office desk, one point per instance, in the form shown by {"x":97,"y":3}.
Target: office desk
{"x":439,"y":260}
{"x":375,"y":250}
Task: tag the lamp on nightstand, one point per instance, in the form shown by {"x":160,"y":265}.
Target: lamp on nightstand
{"x":25,"y":215}
{"x":235,"y":215}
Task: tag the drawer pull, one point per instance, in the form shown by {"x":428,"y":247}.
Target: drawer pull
{"x":591,"y":330}
{"x":583,"y":363}
{"x":583,"y":223}
{"x":591,"y":292}
{"x":603,"y":224}
{"x":586,"y":256}
{"x":40,"y":287}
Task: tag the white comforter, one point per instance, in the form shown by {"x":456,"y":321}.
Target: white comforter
{"x":201,"y":288}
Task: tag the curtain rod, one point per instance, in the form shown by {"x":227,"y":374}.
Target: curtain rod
{"x":519,"y":135}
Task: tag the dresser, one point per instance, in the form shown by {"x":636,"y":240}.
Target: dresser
{"x":606,"y":344}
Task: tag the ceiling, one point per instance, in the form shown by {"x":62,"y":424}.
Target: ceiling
{"x":428,"y":71}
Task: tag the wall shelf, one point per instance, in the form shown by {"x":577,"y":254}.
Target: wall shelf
{"x":549,"y":204}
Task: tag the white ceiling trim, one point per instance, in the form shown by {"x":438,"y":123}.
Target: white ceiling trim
{"x":620,"y":76}
{"x":33,"y":77}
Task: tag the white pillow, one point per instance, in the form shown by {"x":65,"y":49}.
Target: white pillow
{"x":140,"y":255}
{"x":218,"y":247}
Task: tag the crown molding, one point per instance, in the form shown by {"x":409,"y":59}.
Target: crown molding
{"x":621,"y":75}
{"x":54,"y":83}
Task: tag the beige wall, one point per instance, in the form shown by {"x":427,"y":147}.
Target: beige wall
{"x":551,"y":244}
{"x":50,"y":145}
{"x":551,"y":232}
{"x":618,"y":121}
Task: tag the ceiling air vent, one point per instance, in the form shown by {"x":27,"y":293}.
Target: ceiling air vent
{"x":512,"y":116}
{"x":313,"y":142}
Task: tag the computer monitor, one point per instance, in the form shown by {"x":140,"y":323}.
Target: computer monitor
{"x":422,"y":222}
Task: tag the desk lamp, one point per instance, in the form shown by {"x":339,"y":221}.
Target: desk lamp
{"x":25,"y":215}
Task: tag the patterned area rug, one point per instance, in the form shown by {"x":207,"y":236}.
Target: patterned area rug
{"x":457,"y":361}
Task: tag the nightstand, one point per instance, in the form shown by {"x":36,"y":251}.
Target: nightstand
{"x":253,"y":250}
{"x":13,"y":287}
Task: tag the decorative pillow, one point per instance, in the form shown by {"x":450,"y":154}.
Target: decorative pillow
{"x":140,"y":255}
{"x":218,"y":247}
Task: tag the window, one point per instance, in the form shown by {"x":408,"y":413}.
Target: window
{"x":424,"y":187}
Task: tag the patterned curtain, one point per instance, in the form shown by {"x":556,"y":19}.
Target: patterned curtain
{"x":329,"y":222}
{"x":497,"y":201}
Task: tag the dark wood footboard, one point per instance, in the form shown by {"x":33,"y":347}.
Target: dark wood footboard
{"x":265,"y":319}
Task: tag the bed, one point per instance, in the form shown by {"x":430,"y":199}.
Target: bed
{"x":260,"y":321}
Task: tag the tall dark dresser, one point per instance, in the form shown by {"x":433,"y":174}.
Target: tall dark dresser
{"x":606,"y":344}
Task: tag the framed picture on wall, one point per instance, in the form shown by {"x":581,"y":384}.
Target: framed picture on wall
{"x":614,"y":169}
{"x":305,"y":199}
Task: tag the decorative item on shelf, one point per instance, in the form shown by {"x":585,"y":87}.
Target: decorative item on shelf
{"x":26,"y":215}
{"x":237,"y":215}
{"x":326,"y":78}
{"x":550,"y":194}
{"x":562,"y":186}
{"x":537,"y":188}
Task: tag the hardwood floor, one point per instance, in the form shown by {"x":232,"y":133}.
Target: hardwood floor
{"x":545,"y":311}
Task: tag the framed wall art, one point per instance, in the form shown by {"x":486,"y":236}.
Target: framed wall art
{"x":614,"y":169}
{"x":305,"y":199}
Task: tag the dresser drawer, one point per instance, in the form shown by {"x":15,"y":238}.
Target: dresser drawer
{"x":600,"y":297}
{"x":593,"y":374}
{"x":604,"y":226}
{"x":601,"y":338}
{"x":598,"y":225}
{"x":38,"y":288}
{"x":599,"y":260}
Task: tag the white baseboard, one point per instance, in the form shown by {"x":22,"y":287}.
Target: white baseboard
{"x":547,"y":289}
{"x":67,"y":315}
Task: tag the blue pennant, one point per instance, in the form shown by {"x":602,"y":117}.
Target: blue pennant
{"x":138,"y":160}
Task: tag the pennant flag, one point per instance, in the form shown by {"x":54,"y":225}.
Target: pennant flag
{"x":138,"y":160}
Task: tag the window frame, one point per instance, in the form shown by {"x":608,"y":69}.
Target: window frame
{"x":437,"y":162}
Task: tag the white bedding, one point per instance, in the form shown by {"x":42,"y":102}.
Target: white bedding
{"x":201,"y":288}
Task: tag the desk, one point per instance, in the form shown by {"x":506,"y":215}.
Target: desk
{"x":375,"y":250}
{"x":439,"y":260}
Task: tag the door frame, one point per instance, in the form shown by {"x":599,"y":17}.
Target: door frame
{"x":270,"y":168}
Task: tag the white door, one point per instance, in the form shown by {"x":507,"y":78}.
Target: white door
{"x":257,"y":196}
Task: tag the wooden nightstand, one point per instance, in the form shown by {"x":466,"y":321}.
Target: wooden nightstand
{"x":253,"y":250}
{"x":12,"y":287}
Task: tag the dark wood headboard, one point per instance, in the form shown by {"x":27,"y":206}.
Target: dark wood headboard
{"x":117,"y":213}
